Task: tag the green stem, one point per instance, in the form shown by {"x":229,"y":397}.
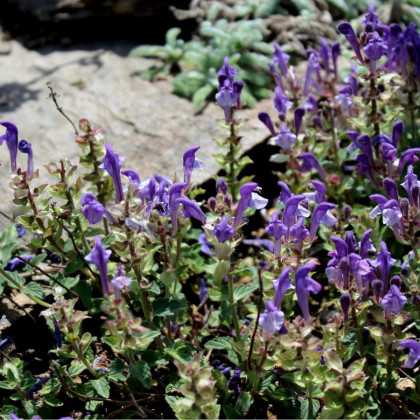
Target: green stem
{"x":83,"y":358}
{"x":234,"y":314}
{"x":358,"y":331}
{"x":22,"y":289}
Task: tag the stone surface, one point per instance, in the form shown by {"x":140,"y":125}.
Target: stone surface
{"x":144,"y":122}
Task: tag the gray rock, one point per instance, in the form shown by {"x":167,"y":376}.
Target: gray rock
{"x":144,"y":122}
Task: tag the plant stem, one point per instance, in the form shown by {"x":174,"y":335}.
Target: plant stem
{"x":22,"y":289}
{"x":234,"y":314}
{"x":83,"y":358}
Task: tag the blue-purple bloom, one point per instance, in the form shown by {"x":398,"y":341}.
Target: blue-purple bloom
{"x":347,"y":30}
{"x":293,"y":209}
{"x":205,"y":245}
{"x":313,"y":65}
{"x":100,"y":256}
{"x":281,"y":102}
{"x":299,"y":113}
{"x":322,"y":214}
{"x":276,"y":229}
{"x":281,"y":285}
{"x":57,"y":333}
{"x":310,"y":162}
{"x":249,"y":198}
{"x":223,"y":231}
{"x":192,"y":209}
{"x":319,"y":195}
{"x":345,"y":301}
{"x":93,"y":210}
{"x":26,"y":148}
{"x":384,"y":261}
{"x":414,"y":352}
{"x":271,"y":320}
{"x":119,"y":282}
{"x":16,"y":263}
{"x":190,"y":163}
{"x":266,"y":120}
{"x":285,"y":192}
{"x":304,"y":285}
{"x":112,"y":163}
{"x":11,"y":139}
{"x":175,"y":193}
{"x":409,"y":156}
{"x":203,"y":290}
{"x":412,"y":186}
{"x":394,"y":301}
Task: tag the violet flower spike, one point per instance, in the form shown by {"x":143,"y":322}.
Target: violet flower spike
{"x":133,"y":176}
{"x":322,"y":214}
{"x":248,"y":199}
{"x":384,"y":261}
{"x":285,"y":138}
{"x":345,"y":302}
{"x":266,"y":120}
{"x":271,"y":320}
{"x":304,"y":285}
{"x":391,"y":188}
{"x":325,"y":54}
{"x":11,"y":139}
{"x":192,"y":209}
{"x":281,"y":285}
{"x":281,"y":103}
{"x":119,"y":282}
{"x":285,"y":192}
{"x":223,"y":231}
{"x":394,"y":301}
{"x":313,"y":65}
{"x":299,"y":113}
{"x":112,"y":163}
{"x":293,"y":209}
{"x":100,"y":256}
{"x":174,"y":194}
{"x":281,"y":59}
{"x":409,"y":156}
{"x":414,"y":352}
{"x":347,"y":30}
{"x":26,"y":147}
{"x":310,"y":162}
{"x":205,"y":245}
{"x":335,"y":52}
{"x":93,"y":210}
{"x":276,"y":229}
{"x":190,"y":163}
{"x":412,"y":186}
{"x":319,"y":195}
{"x":397,"y":130}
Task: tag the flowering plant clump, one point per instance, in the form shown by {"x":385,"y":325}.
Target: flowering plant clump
{"x":160,"y":303}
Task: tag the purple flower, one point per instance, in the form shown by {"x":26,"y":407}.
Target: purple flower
{"x":249,"y":198}
{"x":93,"y":210}
{"x":325,"y":54}
{"x":310,"y":162}
{"x":112,"y":164}
{"x":221,"y":186}
{"x":409,"y":156}
{"x":205,"y":245}
{"x":299,"y":113}
{"x":271,"y":320}
{"x":285,"y":192}
{"x":26,"y":148}
{"x":397,"y":130}
{"x":365,"y":244}
{"x":313,"y":65}
{"x":266,"y":120}
{"x":335,"y":52}
{"x":281,"y":285}
{"x":322,"y":214}
{"x":293,"y":209}
{"x":192,"y":209}
{"x":203,"y":290}
{"x":100,"y":256}
{"x":352,"y":80}
{"x":227,"y":72}
{"x":364,"y":144}
{"x":304,"y":285}
{"x":16,"y":263}
{"x":285,"y":138}
{"x":384,"y":262}
{"x":375,"y":49}
{"x":311,"y":103}
{"x":57,"y":333}
{"x":276,"y":229}
{"x":345,"y":301}
{"x":394,"y":301}
{"x":119,"y":282}
{"x":363,"y":167}
{"x":319,"y":195}
{"x":347,"y":30}
{"x":377,"y":289}
{"x":371,"y":18}
{"x":391,"y":188}
{"x":412,"y":185}
{"x":223,"y":231}
{"x":20,"y":230}
{"x":190,"y":163}
{"x":414,"y":352}
{"x":350,"y":240}
{"x":281,"y":59}
{"x":298,"y":231}
{"x":174,"y":194}
{"x":133,"y":176}
{"x":281,"y":103}
{"x":11,"y":139}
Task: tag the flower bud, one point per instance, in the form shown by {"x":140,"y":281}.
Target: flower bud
{"x":377,"y":288}
{"x":212,"y":203}
{"x":345,"y":301}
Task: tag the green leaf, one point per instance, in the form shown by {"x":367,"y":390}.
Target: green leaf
{"x":220,"y":343}
{"x":116,"y":369}
{"x":51,"y":387}
{"x":141,"y":372}
{"x":34,"y":289}
{"x":182,"y":351}
{"x":245,"y":401}
{"x":101,"y":386}
{"x":333,"y":361}
{"x":202,"y":94}
{"x":76,"y":369}
{"x":309,"y":408}
{"x":168,"y":306}
{"x":52,"y":401}
{"x":172,"y":35}
{"x":74,"y":266}
{"x":154,"y":357}
{"x":243,"y":290}
{"x":221,"y":271}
